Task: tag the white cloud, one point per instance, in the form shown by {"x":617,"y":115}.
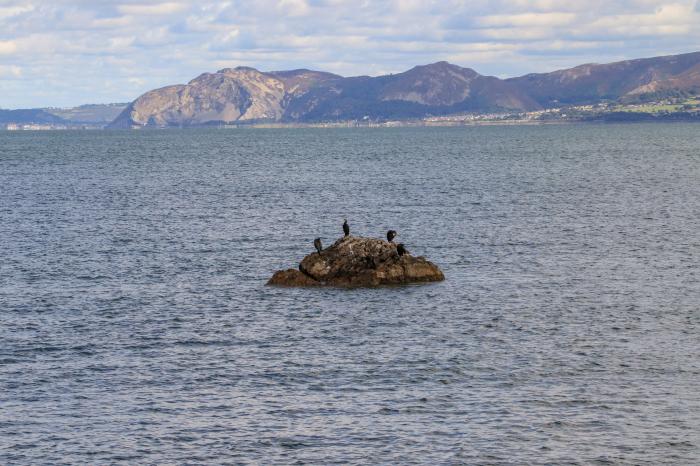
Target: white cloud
{"x":8,"y":12}
{"x":111,"y":23}
{"x":156,"y":9}
{"x":120,"y":43}
{"x":294,"y":7}
{"x":73,"y":48}
{"x":136,"y":82}
{"x":8,"y":47}
{"x":10,"y":71}
{"x":528,"y":19}
{"x":670,"y":19}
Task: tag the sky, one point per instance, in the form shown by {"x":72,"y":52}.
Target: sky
{"x":69,"y":52}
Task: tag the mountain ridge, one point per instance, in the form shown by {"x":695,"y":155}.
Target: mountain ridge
{"x":247,"y":95}
{"x":93,"y":115}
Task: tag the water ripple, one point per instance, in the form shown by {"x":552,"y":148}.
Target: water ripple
{"x":135,"y":327}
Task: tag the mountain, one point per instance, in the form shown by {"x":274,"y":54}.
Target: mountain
{"x":232,"y":94}
{"x":242,"y":94}
{"x":88,"y":114}
{"x":29,"y":116}
{"x":245,"y":94}
{"x":437,"y":89}
{"x":630,"y":79}
{"x":93,"y":115}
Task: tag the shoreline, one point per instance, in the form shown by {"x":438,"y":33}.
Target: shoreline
{"x":387,"y":124}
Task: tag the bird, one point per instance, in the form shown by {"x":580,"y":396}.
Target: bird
{"x":346,"y":227}
{"x":318,"y":245}
{"x":390,"y":235}
{"x":400,"y":249}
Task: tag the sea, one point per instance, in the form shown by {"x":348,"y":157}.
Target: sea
{"x":136,"y":326}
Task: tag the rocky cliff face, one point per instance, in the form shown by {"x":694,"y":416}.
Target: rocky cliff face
{"x":229,"y":95}
{"x":355,"y":262}
{"x":244,"y":94}
{"x":225,"y":96}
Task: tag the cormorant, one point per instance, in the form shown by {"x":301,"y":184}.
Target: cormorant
{"x":318,"y":245}
{"x":390,"y":235}
{"x":400,"y":249}
{"x":346,"y":227}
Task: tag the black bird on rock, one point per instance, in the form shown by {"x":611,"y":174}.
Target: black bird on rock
{"x":390,"y":235}
{"x":346,"y":227}
{"x":318,"y":245}
{"x":401,"y":250}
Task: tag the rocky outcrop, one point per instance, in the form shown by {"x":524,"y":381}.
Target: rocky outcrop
{"x":230,"y":95}
{"x":292,"y":277}
{"x":359,"y":262}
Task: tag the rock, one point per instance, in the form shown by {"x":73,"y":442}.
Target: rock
{"x":355,"y":262}
{"x":292,"y":277}
{"x":230,"y":95}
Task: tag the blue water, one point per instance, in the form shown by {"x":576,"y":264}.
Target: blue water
{"x":136,"y":327}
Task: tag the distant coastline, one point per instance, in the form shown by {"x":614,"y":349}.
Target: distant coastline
{"x":563,"y":116}
{"x":659,"y":89}
{"x":650,"y":89}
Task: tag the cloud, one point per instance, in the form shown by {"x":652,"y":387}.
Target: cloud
{"x":157,"y":9}
{"x":528,"y":19}
{"x":80,"y":51}
{"x":10,"y":71}
{"x":294,"y":7}
{"x":7,"y":47}
{"x":666,"y":20}
{"x":8,"y":12}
